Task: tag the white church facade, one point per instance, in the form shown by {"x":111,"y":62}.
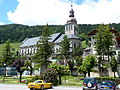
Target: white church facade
{"x":28,"y":46}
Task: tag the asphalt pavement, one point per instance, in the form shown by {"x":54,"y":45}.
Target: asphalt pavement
{"x":24,"y":87}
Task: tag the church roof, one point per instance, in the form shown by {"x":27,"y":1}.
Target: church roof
{"x":70,"y":36}
{"x":33,"y":41}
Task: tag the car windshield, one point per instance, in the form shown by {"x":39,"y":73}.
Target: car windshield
{"x":89,"y":80}
{"x":107,"y":83}
{"x":37,"y":81}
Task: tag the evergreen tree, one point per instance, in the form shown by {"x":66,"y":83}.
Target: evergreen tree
{"x":65,"y":48}
{"x":44,"y":50}
{"x":7,"y":54}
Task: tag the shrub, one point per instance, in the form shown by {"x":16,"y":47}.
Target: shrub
{"x":36,"y":77}
{"x":50,"y":75}
{"x":117,"y":80}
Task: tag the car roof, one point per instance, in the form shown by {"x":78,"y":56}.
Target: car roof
{"x":89,"y":78}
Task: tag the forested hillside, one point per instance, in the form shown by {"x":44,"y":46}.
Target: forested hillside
{"x":17,"y":32}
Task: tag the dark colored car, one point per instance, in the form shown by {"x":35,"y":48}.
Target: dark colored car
{"x":90,"y":84}
{"x":107,"y":85}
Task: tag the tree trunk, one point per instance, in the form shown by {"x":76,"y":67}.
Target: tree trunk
{"x":43,"y":68}
{"x":100,"y":72}
{"x":84,"y":74}
{"x":114,"y":75}
{"x":4,"y":75}
{"x":71,"y":72}
{"x":31,"y":70}
{"x":88,"y":73}
{"x":20,"y":76}
{"x":60,"y":78}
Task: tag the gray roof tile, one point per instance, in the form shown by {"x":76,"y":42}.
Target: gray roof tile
{"x":33,"y":41}
{"x":70,"y":36}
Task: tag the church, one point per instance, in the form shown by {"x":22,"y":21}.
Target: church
{"x":28,"y":46}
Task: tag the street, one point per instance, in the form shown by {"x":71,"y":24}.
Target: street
{"x":24,"y":87}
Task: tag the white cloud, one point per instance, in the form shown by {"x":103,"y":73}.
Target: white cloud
{"x":41,"y":12}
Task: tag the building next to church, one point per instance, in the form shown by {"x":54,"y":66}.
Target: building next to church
{"x":28,"y":46}
{"x":116,"y":50}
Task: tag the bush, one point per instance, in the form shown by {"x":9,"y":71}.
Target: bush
{"x":50,"y":75}
{"x":106,"y":78}
{"x":116,"y":80}
{"x":36,"y":77}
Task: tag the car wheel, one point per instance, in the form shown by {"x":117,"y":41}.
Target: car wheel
{"x":83,"y":89}
{"x":51,"y":86}
{"x":96,"y":88}
{"x":31,"y":88}
{"x":42,"y":87}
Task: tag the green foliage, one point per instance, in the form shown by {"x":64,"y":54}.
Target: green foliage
{"x":71,"y":65}
{"x":50,"y":75}
{"x":107,"y":78}
{"x":36,"y":77}
{"x":114,"y":65}
{"x":65,"y":47}
{"x":29,"y":67}
{"x":87,"y":65}
{"x":17,"y":32}
{"x":61,"y":70}
{"x":7,"y":55}
{"x":82,"y":69}
{"x":79,"y":60}
{"x":83,"y":36}
{"x":89,"y":62}
{"x":84,"y":44}
{"x":44,"y":50}
{"x":104,"y":41}
{"x":78,"y":51}
{"x":14,"y":48}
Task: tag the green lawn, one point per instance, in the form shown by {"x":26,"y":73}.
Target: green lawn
{"x":14,"y":80}
{"x":71,"y":81}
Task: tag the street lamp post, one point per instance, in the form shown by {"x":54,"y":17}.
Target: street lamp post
{"x":4,"y":72}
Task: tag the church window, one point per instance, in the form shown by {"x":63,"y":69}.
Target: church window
{"x":22,"y":51}
{"x":28,"y":51}
{"x":71,"y":27}
{"x":74,"y":45}
{"x":34,"y":50}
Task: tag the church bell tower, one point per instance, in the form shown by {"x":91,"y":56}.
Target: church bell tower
{"x":71,"y":26}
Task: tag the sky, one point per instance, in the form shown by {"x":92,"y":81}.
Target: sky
{"x":56,"y":12}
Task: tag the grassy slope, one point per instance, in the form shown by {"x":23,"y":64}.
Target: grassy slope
{"x":15,"y":46}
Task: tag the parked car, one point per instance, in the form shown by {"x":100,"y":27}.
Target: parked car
{"x":90,"y":83}
{"x":108,"y":85}
{"x":39,"y":84}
